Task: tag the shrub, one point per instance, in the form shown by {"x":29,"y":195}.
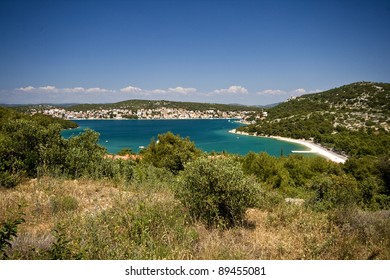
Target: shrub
{"x":170,"y":152}
{"x":23,"y":144}
{"x":8,"y":231}
{"x":119,"y":170}
{"x":61,"y":248}
{"x":83,"y":154}
{"x":64,"y":204}
{"x":216,"y":191}
{"x":384,"y":169}
{"x":262,"y":165}
{"x":9,"y":180}
{"x":125,"y":151}
{"x":335,"y":192}
{"x":369,"y":229}
{"x":147,"y":175}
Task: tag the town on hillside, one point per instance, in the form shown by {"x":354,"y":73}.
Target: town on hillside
{"x":149,"y":114}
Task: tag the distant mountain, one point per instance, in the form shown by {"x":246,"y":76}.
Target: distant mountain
{"x":353,"y":119}
{"x":269,"y":105}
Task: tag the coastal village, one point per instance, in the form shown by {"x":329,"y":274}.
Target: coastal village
{"x":149,"y":114}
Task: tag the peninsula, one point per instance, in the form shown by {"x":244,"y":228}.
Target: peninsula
{"x":314,"y":147}
{"x":148,"y":110}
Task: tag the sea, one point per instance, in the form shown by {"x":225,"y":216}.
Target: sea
{"x":209,"y":135}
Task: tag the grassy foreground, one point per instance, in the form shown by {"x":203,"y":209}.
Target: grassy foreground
{"x":101,"y":219}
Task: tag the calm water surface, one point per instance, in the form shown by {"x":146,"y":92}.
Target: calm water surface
{"x":208,"y":135}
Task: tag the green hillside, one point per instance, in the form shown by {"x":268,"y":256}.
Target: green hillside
{"x":353,"y":119}
{"x":154,"y":104}
{"x":8,"y":114}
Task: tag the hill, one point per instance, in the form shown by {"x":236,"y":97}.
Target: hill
{"x":136,"y":104}
{"x":9,"y":114}
{"x":154,"y":104}
{"x":353,"y":119}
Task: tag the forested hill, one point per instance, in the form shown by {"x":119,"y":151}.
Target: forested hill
{"x":364,"y":97}
{"x":154,"y":104}
{"x":8,"y":115}
{"x":353,"y":119}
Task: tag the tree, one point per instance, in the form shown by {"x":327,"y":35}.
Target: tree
{"x":384,"y":169}
{"x":332,"y":192}
{"x":124,"y":152}
{"x":171,"y":152}
{"x":84,"y":156}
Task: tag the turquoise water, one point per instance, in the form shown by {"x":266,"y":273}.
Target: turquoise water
{"x":208,"y":135}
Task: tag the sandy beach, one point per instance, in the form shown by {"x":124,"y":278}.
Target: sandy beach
{"x":314,"y":148}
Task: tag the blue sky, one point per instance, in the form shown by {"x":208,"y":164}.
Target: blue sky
{"x":246,"y":51}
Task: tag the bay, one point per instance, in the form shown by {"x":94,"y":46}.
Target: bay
{"x":208,"y":135}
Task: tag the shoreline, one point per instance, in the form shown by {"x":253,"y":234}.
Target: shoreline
{"x":314,"y":148}
{"x":178,"y":119}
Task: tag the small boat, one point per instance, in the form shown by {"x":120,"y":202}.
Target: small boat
{"x":141,"y":147}
{"x":106,"y":141}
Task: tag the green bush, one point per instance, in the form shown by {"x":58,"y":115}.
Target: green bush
{"x":119,"y":170}
{"x":83,"y":154}
{"x":384,"y":169}
{"x":9,"y":180}
{"x":8,"y":231}
{"x":60,"y":248}
{"x":216,"y":191}
{"x":262,"y":165}
{"x":149,"y":176}
{"x":170,"y":152}
{"x":332,"y":192}
{"x":22,"y":145}
{"x":64,"y":204}
{"x":267,"y":169}
{"x":125,"y":151}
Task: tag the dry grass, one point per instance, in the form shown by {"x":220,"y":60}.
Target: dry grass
{"x":290,"y":232}
{"x":267,"y":236}
{"x":36,"y":198}
{"x":111,"y":221}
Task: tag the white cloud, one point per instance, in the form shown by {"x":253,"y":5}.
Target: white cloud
{"x":26,"y":89}
{"x":175,"y":90}
{"x":271,"y":92}
{"x":302,"y":91}
{"x":75,"y":89}
{"x":232,"y":90}
{"x":53,"y":89}
{"x":299,"y":91}
{"x":48,"y":89}
{"x":182,"y":90}
{"x":158,"y":91}
{"x":39,"y":89}
{"x":296,"y":92}
{"x":131,"y":89}
{"x":98,"y":90}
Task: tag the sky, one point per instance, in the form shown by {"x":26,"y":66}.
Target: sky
{"x":252,"y":52}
